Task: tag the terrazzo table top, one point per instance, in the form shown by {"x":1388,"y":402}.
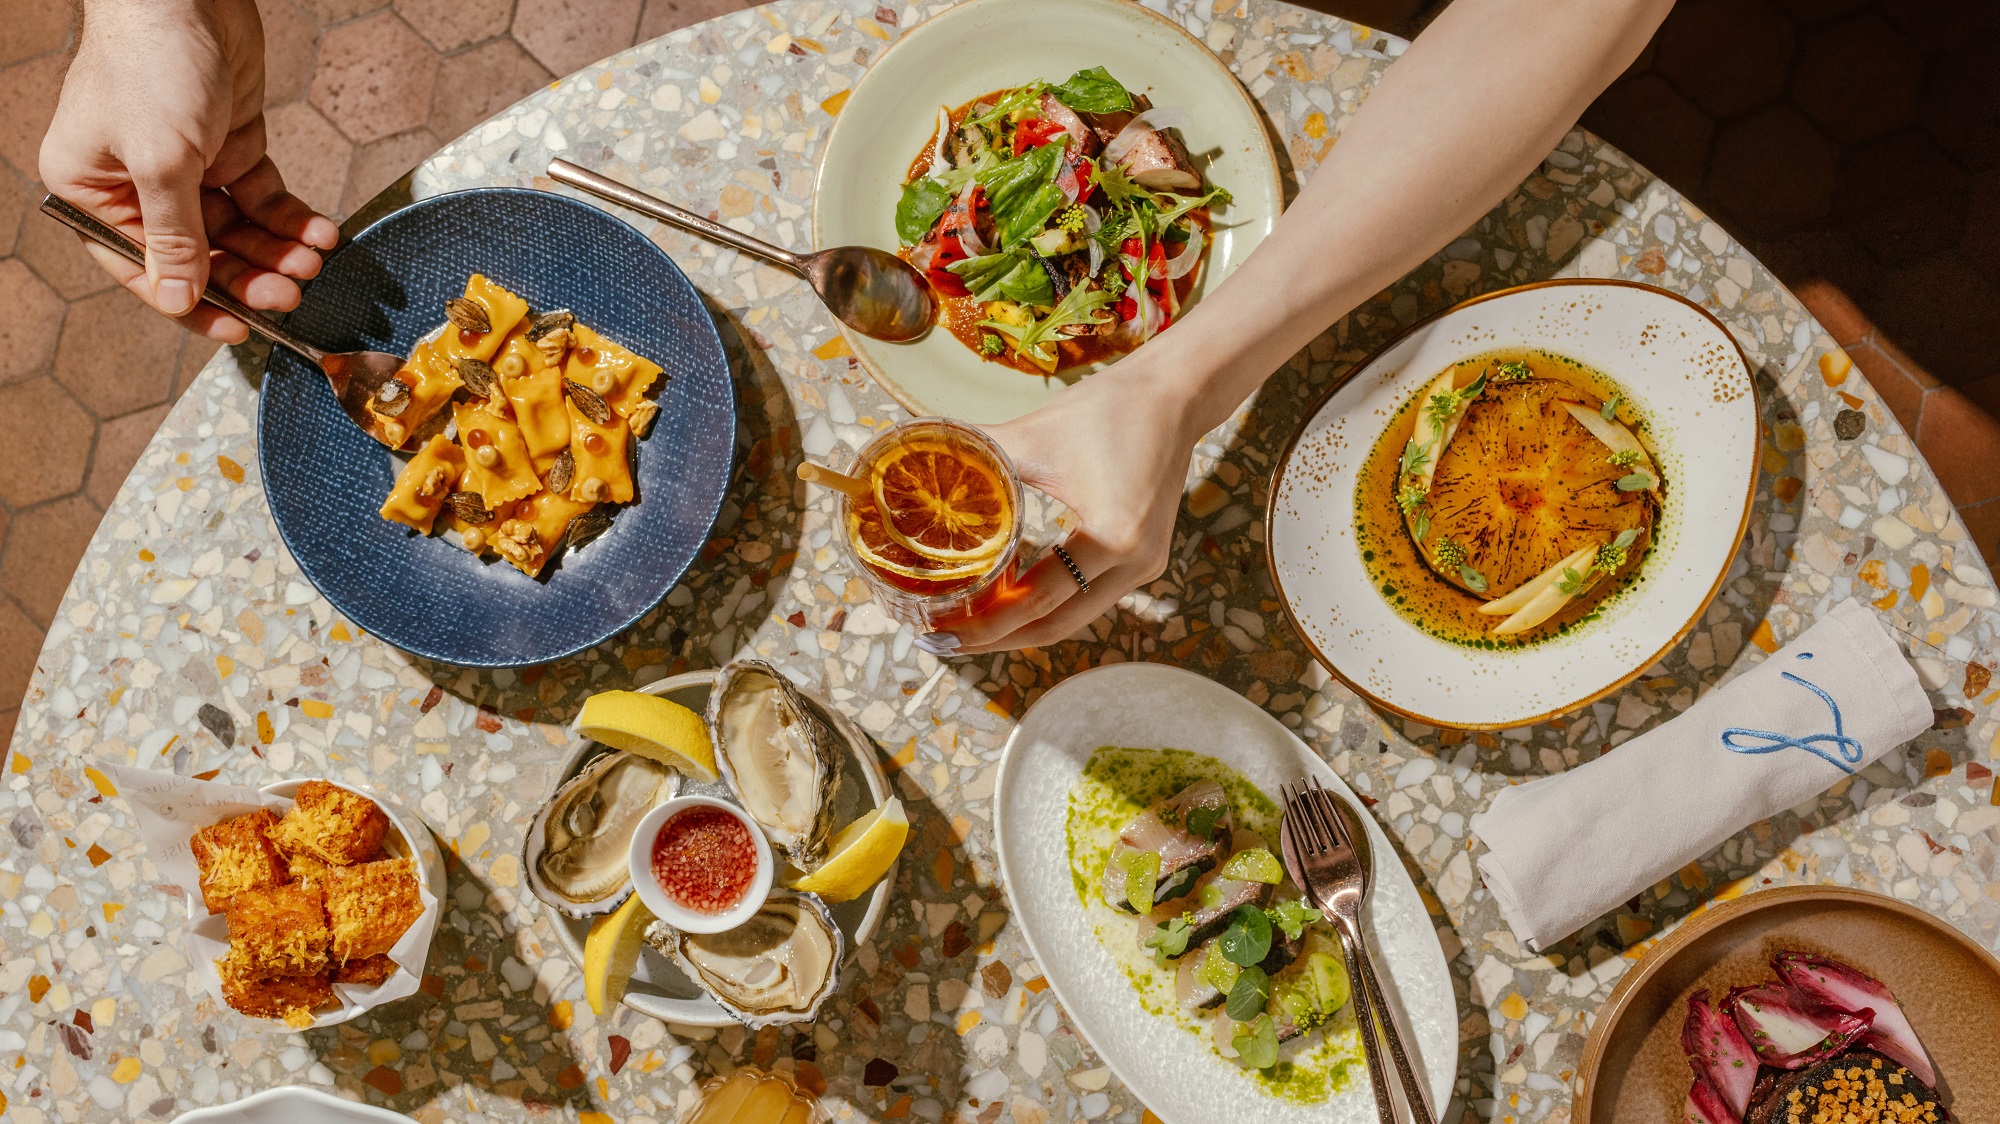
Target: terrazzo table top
{"x":189,"y":642}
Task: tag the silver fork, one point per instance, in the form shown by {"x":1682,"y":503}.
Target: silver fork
{"x":1322,"y":858}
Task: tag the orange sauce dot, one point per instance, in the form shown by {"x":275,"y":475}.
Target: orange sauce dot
{"x":477,"y":437}
{"x":586,"y":355}
{"x":468,"y":337}
{"x":594,"y":442}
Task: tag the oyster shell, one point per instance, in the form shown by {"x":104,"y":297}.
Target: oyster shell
{"x":577,"y":849}
{"x":779,"y":756}
{"x":777,"y":967}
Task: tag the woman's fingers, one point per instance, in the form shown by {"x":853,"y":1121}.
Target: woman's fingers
{"x":1047,"y":585}
{"x":167,"y":183}
{"x":1068,"y":618}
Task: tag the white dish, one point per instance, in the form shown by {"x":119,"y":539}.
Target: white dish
{"x":1683,"y":373}
{"x":356,"y":1000}
{"x":640,"y":865}
{"x":658,"y":988}
{"x":290,"y":1104}
{"x":1180,"y":1076}
{"x":976,"y":48}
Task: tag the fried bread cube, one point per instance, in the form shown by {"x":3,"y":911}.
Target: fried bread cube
{"x":236,"y":856}
{"x":366,"y":971}
{"x":304,"y":867}
{"x":278,"y":932}
{"x":332,"y":824}
{"x":370,"y":906}
{"x":291,"y":998}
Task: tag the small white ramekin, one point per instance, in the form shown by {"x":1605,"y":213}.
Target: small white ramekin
{"x":672,"y":912}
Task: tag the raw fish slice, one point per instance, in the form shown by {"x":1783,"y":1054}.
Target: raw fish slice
{"x":1790,"y":1029}
{"x":1208,"y":907}
{"x":1837,"y":985}
{"x":1191,"y":985}
{"x":1719,"y":1054}
{"x":1162,"y":830}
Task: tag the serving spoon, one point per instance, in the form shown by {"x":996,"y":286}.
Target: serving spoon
{"x":871,"y":291}
{"x":356,"y":376}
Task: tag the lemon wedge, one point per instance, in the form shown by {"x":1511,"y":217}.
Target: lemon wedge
{"x":859,"y":855}
{"x":611,"y":953}
{"x":650,"y":726}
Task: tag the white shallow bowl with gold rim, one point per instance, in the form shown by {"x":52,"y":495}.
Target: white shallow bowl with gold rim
{"x":986,"y":45}
{"x":1683,"y":373}
{"x":658,"y":987}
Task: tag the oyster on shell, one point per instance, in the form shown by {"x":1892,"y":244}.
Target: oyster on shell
{"x":779,"y":756}
{"x":576,"y":852}
{"x":777,"y":967}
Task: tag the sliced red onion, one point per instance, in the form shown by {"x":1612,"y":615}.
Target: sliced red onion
{"x":1096,"y":257}
{"x":922,"y":254}
{"x":968,"y":230}
{"x":1092,"y":221}
{"x":1837,"y":985}
{"x":1154,"y":119}
{"x":1182,"y":263}
{"x":1719,"y":1054}
{"x":939,"y":163}
{"x":1790,"y":1029}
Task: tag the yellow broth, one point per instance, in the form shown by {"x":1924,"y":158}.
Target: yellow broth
{"x":1389,"y":554}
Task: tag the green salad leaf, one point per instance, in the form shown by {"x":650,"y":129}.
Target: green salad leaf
{"x":1169,"y":940}
{"x":1093,"y":91}
{"x":1248,"y":938}
{"x":1248,"y":994}
{"x":1079,"y":307}
{"x":1201,"y":820}
{"x":1256,"y":1043}
{"x":1019,"y":98}
{"x":923,"y":203}
{"x":1007,"y":275}
{"x":1120,"y":189}
{"x":1292,"y":917}
{"x":1021,"y":193}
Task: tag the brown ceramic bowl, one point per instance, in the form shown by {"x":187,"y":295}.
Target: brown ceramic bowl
{"x":1633,"y":1070}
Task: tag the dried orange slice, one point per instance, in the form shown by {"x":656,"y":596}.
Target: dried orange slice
{"x":943,"y":502}
{"x":872,"y":542}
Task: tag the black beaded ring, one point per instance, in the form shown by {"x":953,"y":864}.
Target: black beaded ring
{"x":1069,"y":564}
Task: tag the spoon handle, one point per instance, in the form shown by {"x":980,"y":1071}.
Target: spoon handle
{"x":606,"y":188}
{"x":1406,"y":1074}
{"x":88,"y":225}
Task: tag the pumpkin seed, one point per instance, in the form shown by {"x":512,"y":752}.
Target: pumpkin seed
{"x":470,"y":507}
{"x":392,"y":399}
{"x":561,"y":471}
{"x":588,"y":526}
{"x":587,"y":402}
{"x":468,"y":314}
{"x":477,"y":375}
{"x":549,"y":321}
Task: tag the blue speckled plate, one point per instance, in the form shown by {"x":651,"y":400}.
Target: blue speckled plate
{"x":326,"y":479}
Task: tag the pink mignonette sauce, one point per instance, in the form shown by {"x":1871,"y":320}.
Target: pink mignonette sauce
{"x":704,"y":859}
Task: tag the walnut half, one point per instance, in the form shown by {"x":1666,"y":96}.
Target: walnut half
{"x":517,"y":542}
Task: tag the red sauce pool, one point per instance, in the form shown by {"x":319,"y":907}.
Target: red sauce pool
{"x":704,"y":859}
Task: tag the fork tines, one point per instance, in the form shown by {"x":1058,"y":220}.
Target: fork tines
{"x":1301,"y":812}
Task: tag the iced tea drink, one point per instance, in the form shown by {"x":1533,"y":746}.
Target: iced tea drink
{"x":937,"y":532}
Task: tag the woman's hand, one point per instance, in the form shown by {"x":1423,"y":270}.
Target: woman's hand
{"x":160,"y":132}
{"x":1114,"y":448}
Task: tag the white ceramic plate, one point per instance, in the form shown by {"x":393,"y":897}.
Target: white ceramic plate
{"x":1683,"y":373}
{"x":1180,"y":1076}
{"x":290,"y":1104}
{"x":986,"y":45}
{"x":660,"y":989}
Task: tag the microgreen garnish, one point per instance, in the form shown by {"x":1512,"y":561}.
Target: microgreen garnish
{"x":1411,"y":497}
{"x":990,"y":344}
{"x":1636,"y":482}
{"x":1512,"y":370}
{"x":1071,"y":220}
{"x":1415,"y":457}
{"x":1449,"y":553}
{"x":1251,"y":991}
{"x":1610,"y":559}
{"x":1572,"y":583}
{"x":1474,"y":580}
{"x":1170,"y":940}
{"x":1610,"y":410}
{"x":1624,"y":458}
{"x":1201,"y":820}
{"x":1256,"y":1043}
{"x":1292,"y":917}
{"x":1248,"y":938}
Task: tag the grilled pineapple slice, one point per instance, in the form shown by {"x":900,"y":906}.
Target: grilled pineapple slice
{"x":1522,"y":485}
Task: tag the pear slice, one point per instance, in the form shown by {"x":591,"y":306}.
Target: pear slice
{"x":1614,"y":436}
{"x":1549,"y":600}
{"x":1527,"y":590}
{"x":1439,"y":437}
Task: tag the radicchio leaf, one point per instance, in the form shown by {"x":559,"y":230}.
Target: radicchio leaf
{"x":1837,"y":985}
{"x":1790,"y":1029}
{"x":1719,"y":1054}
{"x":1706,"y":1106}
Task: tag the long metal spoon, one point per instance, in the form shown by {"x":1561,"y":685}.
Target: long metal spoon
{"x":356,"y":376}
{"x":871,"y":291}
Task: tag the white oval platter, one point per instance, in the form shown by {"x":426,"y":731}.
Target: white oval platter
{"x":1179,"y":1076}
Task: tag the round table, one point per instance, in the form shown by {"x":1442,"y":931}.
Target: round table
{"x":188,"y":641}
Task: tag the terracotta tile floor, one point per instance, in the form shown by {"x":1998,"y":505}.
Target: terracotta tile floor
{"x":1854,"y":145}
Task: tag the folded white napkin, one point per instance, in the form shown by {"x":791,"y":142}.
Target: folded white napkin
{"x":1564,"y":850}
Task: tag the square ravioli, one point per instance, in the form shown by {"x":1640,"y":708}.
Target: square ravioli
{"x":603,"y":465}
{"x":499,"y":309}
{"x":619,"y":376}
{"x":498,"y":464}
{"x":546,"y":516}
{"x":421,"y":488}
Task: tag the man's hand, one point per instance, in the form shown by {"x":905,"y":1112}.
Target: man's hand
{"x":160,"y":132}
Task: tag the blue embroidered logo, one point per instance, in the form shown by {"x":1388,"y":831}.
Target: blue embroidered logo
{"x":1744,"y":741}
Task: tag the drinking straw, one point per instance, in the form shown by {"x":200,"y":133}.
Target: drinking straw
{"x":839,"y":481}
